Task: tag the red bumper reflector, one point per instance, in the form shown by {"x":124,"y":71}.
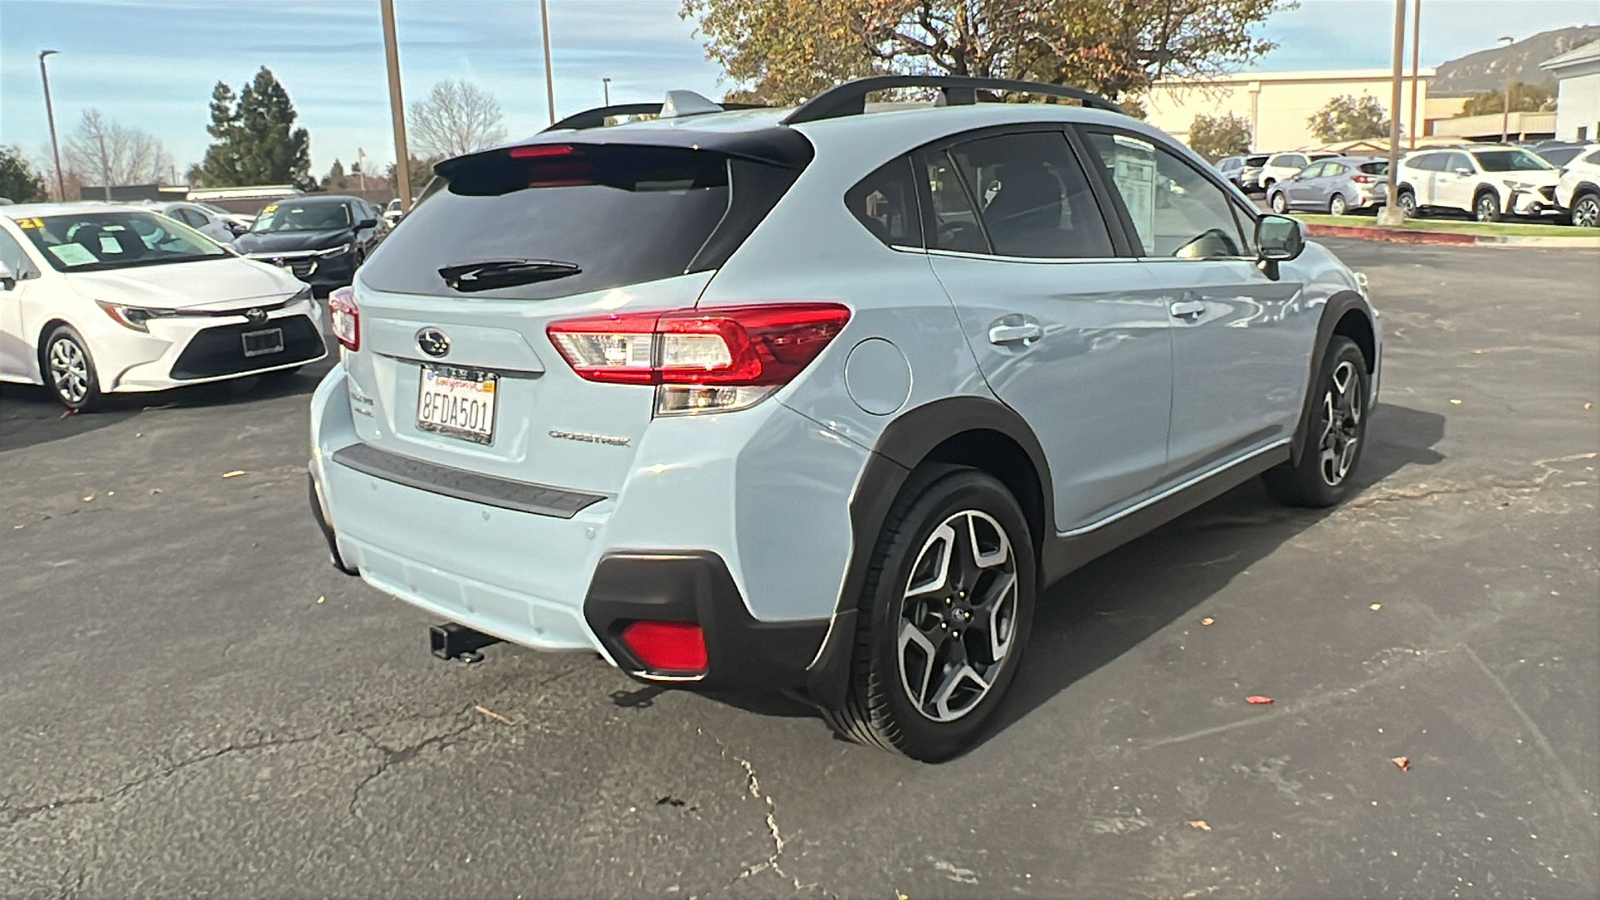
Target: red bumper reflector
{"x":667,"y":646}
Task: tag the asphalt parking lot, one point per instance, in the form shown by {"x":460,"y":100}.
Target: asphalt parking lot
{"x":192,"y":702}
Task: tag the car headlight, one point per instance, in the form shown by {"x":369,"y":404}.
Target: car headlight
{"x":135,"y":317}
{"x":1520,"y":185}
{"x":336,"y":251}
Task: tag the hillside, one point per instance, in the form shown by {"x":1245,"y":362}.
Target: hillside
{"x":1485,"y":70}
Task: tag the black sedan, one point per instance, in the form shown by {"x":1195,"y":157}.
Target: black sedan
{"x":321,"y":239}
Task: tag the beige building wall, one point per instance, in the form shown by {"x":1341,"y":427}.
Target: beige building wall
{"x":1277,"y":104}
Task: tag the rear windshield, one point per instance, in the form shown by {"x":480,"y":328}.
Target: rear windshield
{"x":1375,"y":168}
{"x":577,"y":217}
{"x":1256,"y":161}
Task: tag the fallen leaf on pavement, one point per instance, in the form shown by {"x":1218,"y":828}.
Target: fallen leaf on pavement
{"x":1375,"y":607}
{"x":1200,"y":824}
{"x":88,"y":498}
{"x":234,"y":474}
{"x":1404,"y":762}
{"x":1455,"y":402}
{"x":1207,"y":620}
{"x":1588,"y":406}
{"x":155,"y":491}
{"x":1257,"y":698}
{"x":494,"y":715}
{"x":320,"y":599}
{"x":70,"y":412}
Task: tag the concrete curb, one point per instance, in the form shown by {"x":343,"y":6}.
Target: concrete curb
{"x":1408,"y":236}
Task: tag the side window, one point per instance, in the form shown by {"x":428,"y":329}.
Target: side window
{"x":1033,"y":196}
{"x":1176,"y":211}
{"x":1315,"y":170}
{"x":952,"y":219}
{"x":15,"y":258}
{"x":192,"y":217}
{"x":1593,"y":159}
{"x":886,"y":203}
{"x":1332,"y":170}
{"x":1458,"y":161}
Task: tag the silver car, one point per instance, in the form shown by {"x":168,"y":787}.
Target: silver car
{"x":1336,"y":186}
{"x":819,"y":400}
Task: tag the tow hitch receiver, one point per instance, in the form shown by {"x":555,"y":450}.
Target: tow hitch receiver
{"x":452,"y":641}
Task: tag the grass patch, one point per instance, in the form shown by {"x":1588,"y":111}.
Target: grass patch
{"x":1518,"y":229}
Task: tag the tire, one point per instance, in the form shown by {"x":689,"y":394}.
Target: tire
{"x":915,"y":687}
{"x":1279,"y":203}
{"x":68,"y":370}
{"x":1336,"y":433}
{"x":1266,"y":186}
{"x":1486,"y":207}
{"x":1586,"y":211}
{"x":1337,"y":206}
{"x":1408,"y":203}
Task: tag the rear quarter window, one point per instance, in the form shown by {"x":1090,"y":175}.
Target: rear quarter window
{"x":621,"y":214}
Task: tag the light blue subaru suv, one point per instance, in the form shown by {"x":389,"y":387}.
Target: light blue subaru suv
{"x":818,"y":400}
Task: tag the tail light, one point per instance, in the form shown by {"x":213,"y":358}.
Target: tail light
{"x":345,"y":317}
{"x":1362,"y":178}
{"x":667,"y":646}
{"x":701,"y":360}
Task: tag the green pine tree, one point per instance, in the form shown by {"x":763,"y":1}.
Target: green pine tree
{"x":256,"y":141}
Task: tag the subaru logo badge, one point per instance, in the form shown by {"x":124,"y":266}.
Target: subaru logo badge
{"x":433,"y":342}
{"x":256,"y":315}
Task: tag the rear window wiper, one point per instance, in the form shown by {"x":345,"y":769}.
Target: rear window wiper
{"x":486,"y":275}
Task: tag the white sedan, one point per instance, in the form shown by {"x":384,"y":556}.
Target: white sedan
{"x":97,"y":299}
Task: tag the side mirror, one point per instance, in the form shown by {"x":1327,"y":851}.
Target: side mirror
{"x":364,"y":224}
{"x":8,"y":280}
{"x":1279,"y":238}
{"x":1464,"y":172}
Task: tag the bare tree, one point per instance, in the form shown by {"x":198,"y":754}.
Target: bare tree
{"x":102,"y":150}
{"x":458,"y":117}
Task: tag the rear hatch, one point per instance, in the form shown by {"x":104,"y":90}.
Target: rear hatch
{"x":453,"y":363}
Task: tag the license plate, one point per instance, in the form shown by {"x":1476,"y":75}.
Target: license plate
{"x":457,"y":402}
{"x":260,"y":343}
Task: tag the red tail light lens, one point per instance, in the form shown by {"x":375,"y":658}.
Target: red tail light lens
{"x":667,"y":646}
{"x":706,"y":360}
{"x":345,"y":317}
{"x":1363,"y":179}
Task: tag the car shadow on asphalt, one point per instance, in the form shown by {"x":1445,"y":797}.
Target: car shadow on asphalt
{"x":31,"y":415}
{"x":1116,"y":602}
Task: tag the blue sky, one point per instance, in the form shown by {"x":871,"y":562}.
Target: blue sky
{"x":152,"y":63}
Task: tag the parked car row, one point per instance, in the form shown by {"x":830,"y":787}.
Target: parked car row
{"x":1486,"y":181}
{"x":102,"y":298}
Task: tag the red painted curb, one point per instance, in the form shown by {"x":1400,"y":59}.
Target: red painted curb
{"x":1398,"y":236}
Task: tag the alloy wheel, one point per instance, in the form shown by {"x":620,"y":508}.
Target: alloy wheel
{"x":1487,"y":208}
{"x":69,"y":370}
{"x":958,"y":616}
{"x":1408,"y":204}
{"x":1586,"y":212}
{"x":1341,"y":424}
{"x":1337,"y":206}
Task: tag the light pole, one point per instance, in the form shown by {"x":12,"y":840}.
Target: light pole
{"x":50,"y":113}
{"x":397,"y":106}
{"x":549,"y":83}
{"x":606,"y":83}
{"x":361,"y":170}
{"x":1391,"y":214}
{"x":1416,"y":48}
{"x":1505,"y":105}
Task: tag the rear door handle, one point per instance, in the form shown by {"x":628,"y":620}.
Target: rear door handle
{"x":1011,"y":334}
{"x":1187,"y":309}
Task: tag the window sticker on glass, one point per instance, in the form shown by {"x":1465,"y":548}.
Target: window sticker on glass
{"x":1134,"y":174}
{"x":72,"y":254}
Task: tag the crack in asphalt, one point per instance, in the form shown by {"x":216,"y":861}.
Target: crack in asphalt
{"x":1423,"y":492}
{"x":15,"y":814}
{"x":397,"y":757}
{"x":753,"y":786}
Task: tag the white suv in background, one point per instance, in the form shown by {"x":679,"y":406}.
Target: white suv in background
{"x":1285,"y":165}
{"x":1489,"y":182}
{"x":1578,"y":191}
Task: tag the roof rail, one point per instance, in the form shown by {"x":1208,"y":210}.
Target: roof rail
{"x":850,"y":98}
{"x":596,"y":118}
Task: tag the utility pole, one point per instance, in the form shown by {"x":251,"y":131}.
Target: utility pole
{"x":1391,"y":214}
{"x":549,"y":82}
{"x":105,"y":165}
{"x":361,"y":170}
{"x":1416,"y":48}
{"x":397,"y":106}
{"x":1505,"y":105}
{"x":606,"y":83}
{"x":50,"y":113}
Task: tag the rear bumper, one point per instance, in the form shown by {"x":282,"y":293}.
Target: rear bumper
{"x":758,"y":568}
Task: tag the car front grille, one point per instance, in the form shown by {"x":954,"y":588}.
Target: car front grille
{"x":220,"y":351}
